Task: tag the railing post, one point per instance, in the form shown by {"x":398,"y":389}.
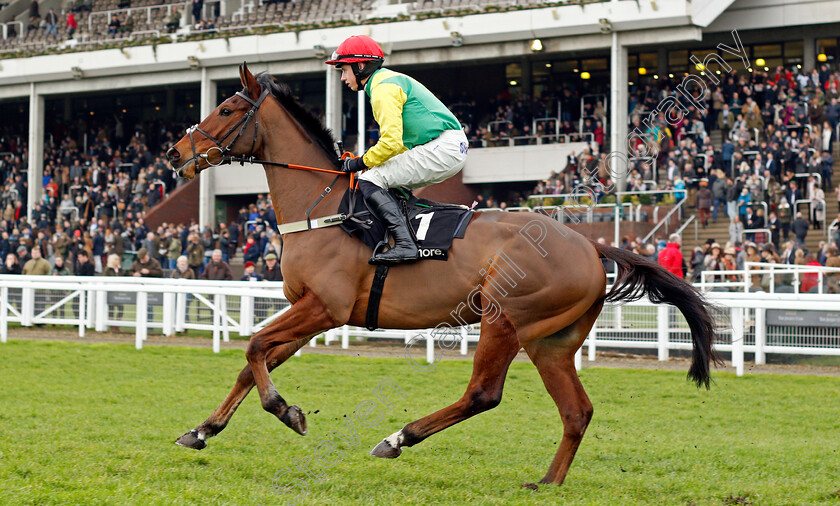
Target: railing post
{"x":662,"y":324}
{"x":140,"y":319}
{"x":464,"y":342}
{"x":101,"y":316}
{"x":224,"y":317}
{"x":578,"y":359}
{"x":345,"y":337}
{"x":4,"y":314}
{"x":82,"y":307}
{"x":27,"y":306}
{"x":217,"y":321}
{"x":737,"y":319}
{"x":593,"y":336}
{"x":246,"y":315}
{"x":760,"y":335}
{"x":168,"y":313}
{"x":91,"y":309}
{"x":180,"y":311}
{"x":430,"y":348}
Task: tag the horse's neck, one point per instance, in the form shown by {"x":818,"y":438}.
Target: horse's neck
{"x":294,"y":191}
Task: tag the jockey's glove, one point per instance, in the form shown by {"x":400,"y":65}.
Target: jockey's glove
{"x":353,"y":165}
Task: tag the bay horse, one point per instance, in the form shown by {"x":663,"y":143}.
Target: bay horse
{"x":531,"y":282}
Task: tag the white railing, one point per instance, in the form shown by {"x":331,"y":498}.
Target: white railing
{"x":776,"y":278}
{"x":244,"y":307}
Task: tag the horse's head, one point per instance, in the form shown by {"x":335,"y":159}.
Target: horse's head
{"x":230,"y":130}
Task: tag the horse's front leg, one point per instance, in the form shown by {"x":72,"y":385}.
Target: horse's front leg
{"x":306,"y":318}
{"x":218,"y":420}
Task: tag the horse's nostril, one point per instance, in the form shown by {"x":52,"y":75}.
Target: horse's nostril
{"x":173,"y":154}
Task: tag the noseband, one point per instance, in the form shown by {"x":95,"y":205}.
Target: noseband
{"x":224,"y":151}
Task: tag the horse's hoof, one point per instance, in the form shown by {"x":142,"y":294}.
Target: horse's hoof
{"x":192,"y":440}
{"x":295,"y":420}
{"x":384,"y":450}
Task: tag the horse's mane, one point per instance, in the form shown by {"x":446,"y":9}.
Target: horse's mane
{"x":322,"y":135}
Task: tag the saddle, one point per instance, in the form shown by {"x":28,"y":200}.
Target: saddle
{"x":433,"y":225}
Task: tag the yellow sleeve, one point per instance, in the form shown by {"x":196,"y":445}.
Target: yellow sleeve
{"x":387,"y":100}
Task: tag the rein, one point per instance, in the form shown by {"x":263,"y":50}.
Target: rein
{"x":225,"y":158}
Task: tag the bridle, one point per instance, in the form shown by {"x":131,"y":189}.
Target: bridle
{"x":242,"y":124}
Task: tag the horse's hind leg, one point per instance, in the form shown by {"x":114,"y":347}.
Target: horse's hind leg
{"x":218,"y":420}
{"x":554,"y":358}
{"x":496,"y":349}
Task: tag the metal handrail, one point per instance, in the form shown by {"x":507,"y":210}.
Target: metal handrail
{"x":129,"y":10}
{"x":666,"y":218}
{"x":834,"y":224}
{"x":20,"y":31}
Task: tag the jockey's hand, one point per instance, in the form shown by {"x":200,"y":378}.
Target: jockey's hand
{"x":353,"y":165}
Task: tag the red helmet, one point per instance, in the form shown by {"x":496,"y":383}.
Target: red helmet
{"x":357,"y":48}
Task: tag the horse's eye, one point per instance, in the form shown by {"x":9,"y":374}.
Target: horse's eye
{"x":225,"y":112}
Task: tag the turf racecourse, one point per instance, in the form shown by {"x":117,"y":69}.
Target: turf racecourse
{"x":92,"y":424}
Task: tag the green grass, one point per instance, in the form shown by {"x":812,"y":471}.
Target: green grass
{"x":93,"y":424}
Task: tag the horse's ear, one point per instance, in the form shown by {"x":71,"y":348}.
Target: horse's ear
{"x":249,"y":82}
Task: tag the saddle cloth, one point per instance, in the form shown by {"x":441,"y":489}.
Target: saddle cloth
{"x":433,"y":224}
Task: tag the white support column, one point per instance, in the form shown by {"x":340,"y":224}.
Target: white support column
{"x":809,"y":52}
{"x":592,"y":338}
{"x":464,"y":341}
{"x":333,"y":98}
{"x":101,"y":316}
{"x":360,"y":143}
{"x":430,"y":348}
{"x":180,"y":311}
{"x":27,"y":306}
{"x":224,"y":316}
{"x":737,"y":319}
{"x":207,"y":191}
{"x":760,"y":335}
{"x":345,"y":337}
{"x":618,"y":108}
{"x":36,"y":150}
{"x":578,"y":359}
{"x":662,"y":314}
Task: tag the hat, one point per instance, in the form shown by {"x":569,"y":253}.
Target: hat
{"x":715,"y":245}
{"x":729,"y":251}
{"x":249,"y":264}
{"x":77,"y":233}
{"x":82,"y":252}
{"x":271,"y":256}
{"x":142,"y":252}
{"x":22,"y":248}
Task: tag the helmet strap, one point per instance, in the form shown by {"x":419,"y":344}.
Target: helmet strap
{"x":362,"y":74}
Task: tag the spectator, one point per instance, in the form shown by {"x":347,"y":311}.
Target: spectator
{"x":83,"y":267}
{"x":671,"y":257}
{"x":800,"y":228}
{"x":146,"y":266}
{"x":72,"y":24}
{"x":217,"y":268}
{"x":52,"y":20}
{"x":60,"y":268}
{"x":113,"y":267}
{"x":736,"y":230}
{"x":197,"y":5}
{"x":182,"y":269}
{"x":173,"y":250}
{"x":36,"y":266}
{"x":810,"y":280}
{"x":251,"y":250}
{"x":173,"y":21}
{"x":250,"y":275}
{"x":271,"y":269}
{"x":114,"y":25}
{"x":11,"y":265}
{"x":704,"y":203}
{"x":833,"y":260}
{"x":195,"y":254}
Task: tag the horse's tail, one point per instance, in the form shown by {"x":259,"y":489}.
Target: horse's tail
{"x":637,"y":276}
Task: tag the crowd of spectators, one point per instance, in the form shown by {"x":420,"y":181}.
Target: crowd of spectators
{"x":90,"y":220}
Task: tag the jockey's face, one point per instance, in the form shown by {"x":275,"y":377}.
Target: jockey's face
{"x":349,"y":78}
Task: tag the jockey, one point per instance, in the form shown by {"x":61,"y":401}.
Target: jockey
{"x":420,"y":141}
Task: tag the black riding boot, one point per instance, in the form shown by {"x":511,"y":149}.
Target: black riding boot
{"x":404,"y":250}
